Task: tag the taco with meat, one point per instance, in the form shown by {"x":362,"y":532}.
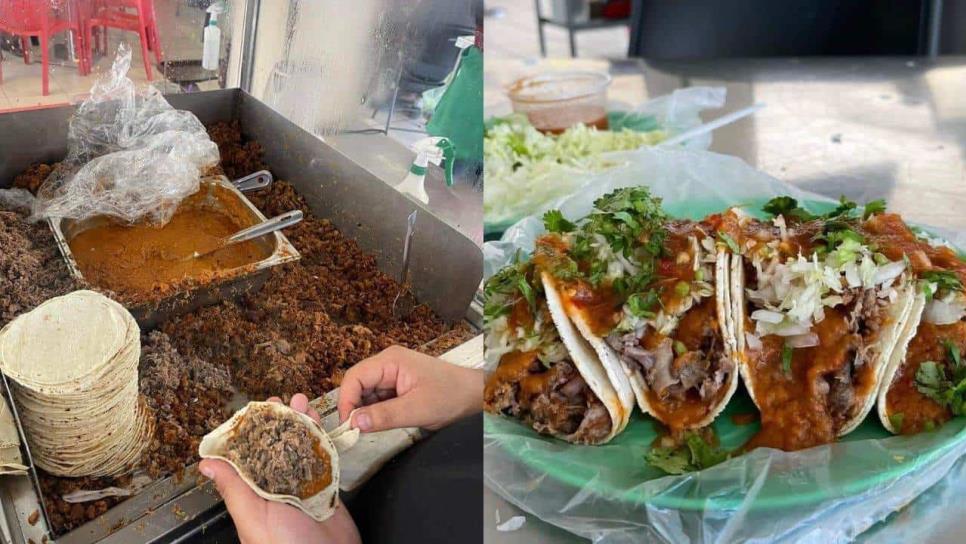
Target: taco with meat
{"x":823,"y":303}
{"x":546,"y":375}
{"x":925,"y":382}
{"x":651,"y":297}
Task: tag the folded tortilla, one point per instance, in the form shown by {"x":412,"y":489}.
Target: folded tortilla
{"x":569,"y":395}
{"x":897,"y":361}
{"x":683,"y":375}
{"x":813,"y":393}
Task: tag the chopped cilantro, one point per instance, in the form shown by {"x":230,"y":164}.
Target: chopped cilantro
{"x":788,"y":207}
{"x":680,"y":348}
{"x":670,"y":460}
{"x":896,"y":421}
{"x":554,"y":221}
{"x":945,"y":280}
{"x":727,"y":240}
{"x":844,"y":209}
{"x":948,"y":390}
{"x":524,"y":287}
{"x":873,"y":207}
{"x":642,"y":304}
{"x":511,"y":284}
{"x":928,"y":289}
{"x":953,"y":351}
{"x":787,"y":359}
{"x":930,"y":426}
{"x":695,"y":454}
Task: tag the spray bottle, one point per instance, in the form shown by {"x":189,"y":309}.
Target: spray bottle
{"x":436,"y":150}
{"x":212,"y":46}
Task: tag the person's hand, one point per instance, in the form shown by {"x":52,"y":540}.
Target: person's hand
{"x":258,"y":520}
{"x":399,"y":387}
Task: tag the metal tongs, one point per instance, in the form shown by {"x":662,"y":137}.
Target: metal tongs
{"x":278,"y":222}
{"x":257,"y":180}
{"x":405,"y":301}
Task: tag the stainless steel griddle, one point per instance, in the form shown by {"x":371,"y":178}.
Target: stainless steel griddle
{"x":446,"y":270}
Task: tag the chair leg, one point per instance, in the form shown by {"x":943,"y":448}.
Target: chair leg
{"x":45,"y":63}
{"x":144,"y":53}
{"x":25,"y":47}
{"x":81,"y":53}
{"x":89,"y":45}
{"x":157,"y":44}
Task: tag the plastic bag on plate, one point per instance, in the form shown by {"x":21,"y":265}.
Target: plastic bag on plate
{"x":130,"y":155}
{"x":608,"y":493}
{"x":514,"y":190}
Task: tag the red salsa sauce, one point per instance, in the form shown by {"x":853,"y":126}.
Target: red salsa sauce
{"x":918,"y":412}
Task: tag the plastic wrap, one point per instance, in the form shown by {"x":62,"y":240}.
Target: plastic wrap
{"x":826,"y":494}
{"x":130,"y":155}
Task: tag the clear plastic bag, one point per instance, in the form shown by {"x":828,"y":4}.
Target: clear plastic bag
{"x":130,"y":155}
{"x":826,"y":494}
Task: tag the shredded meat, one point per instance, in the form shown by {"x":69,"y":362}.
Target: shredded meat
{"x":670,"y":376}
{"x":311,"y":321}
{"x":841,"y":393}
{"x":31,"y":268}
{"x":279,"y":453}
{"x":553,"y":401}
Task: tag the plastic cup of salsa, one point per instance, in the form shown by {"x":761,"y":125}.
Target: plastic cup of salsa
{"x":556,"y":101}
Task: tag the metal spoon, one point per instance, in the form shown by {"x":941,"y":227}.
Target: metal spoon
{"x":405,"y":301}
{"x":278,"y":222}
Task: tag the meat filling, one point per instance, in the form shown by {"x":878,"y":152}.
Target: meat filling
{"x":697,"y":369}
{"x":279,"y":454}
{"x":555,"y":400}
{"x":824,"y":385}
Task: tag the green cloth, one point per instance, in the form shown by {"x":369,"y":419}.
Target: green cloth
{"x":458,"y":115}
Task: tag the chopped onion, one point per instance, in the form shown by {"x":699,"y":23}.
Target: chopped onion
{"x":939,"y":312}
{"x":889,"y":271}
{"x":753,"y":341}
{"x":767,"y":316}
{"x":791,"y":329}
{"x":802,"y":340}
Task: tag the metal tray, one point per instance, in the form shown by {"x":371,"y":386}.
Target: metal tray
{"x":353,"y":192}
{"x":233,"y":283}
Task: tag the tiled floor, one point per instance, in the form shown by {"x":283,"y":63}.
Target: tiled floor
{"x":514,"y":35}
{"x":180,"y":31}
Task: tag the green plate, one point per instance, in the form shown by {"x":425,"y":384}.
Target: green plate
{"x":866,"y":458}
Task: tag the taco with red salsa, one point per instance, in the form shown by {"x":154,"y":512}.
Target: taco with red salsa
{"x":925,"y":382}
{"x":651,"y":297}
{"x":825,"y":305}
{"x":545,"y":373}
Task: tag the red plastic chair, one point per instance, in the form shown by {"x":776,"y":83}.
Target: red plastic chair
{"x":131,"y":15}
{"x":41,"y":18}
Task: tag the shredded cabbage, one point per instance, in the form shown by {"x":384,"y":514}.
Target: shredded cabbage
{"x":526,"y":170}
{"x":500,"y":340}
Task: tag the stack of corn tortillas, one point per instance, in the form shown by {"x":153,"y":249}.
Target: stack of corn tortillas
{"x":11,"y":461}
{"x":75,"y":363}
